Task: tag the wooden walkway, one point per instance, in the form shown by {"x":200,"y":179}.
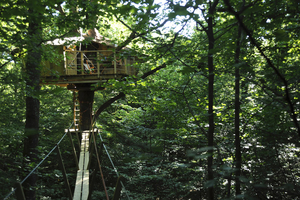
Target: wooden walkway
{"x":82,"y":185}
{"x":82,"y":181}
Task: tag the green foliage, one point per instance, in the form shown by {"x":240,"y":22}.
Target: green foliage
{"x":157,"y":135}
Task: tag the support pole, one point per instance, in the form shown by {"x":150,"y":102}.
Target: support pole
{"x":98,"y":65}
{"x":92,"y":178}
{"x":93,"y":175}
{"x":118,"y":189}
{"x":91,"y":153}
{"x":79,"y":142}
{"x":73,"y":149}
{"x":64,"y":174}
{"x":115,"y":64}
{"x":125,"y":66}
{"x":81,"y":64}
{"x":19,"y":192}
{"x":99,"y":165}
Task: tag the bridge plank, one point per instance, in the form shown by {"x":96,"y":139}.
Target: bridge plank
{"x":78,"y":186}
{"x":85,"y":186}
{"x":82,"y":181}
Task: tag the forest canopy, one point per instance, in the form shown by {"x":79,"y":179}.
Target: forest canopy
{"x":213,"y":112}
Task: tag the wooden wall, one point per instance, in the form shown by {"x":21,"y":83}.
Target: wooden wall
{"x":72,"y":64}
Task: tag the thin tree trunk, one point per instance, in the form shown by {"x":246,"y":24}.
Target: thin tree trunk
{"x":32,"y":103}
{"x":238,"y":156}
{"x":211,"y":76}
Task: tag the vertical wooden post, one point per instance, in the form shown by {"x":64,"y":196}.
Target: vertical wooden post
{"x":99,"y":165}
{"x":93,"y":175}
{"x":65,"y":62}
{"x":92,"y":178}
{"x":132,"y":68}
{"x":64,"y":174}
{"x":115,"y":64}
{"x":118,"y":188}
{"x":125,"y":65}
{"x":76,"y":110}
{"x":19,"y":192}
{"x":81,"y":59}
{"x":79,"y":142}
{"x":91,"y":150}
{"x":73,"y":149}
{"x":98,"y":65}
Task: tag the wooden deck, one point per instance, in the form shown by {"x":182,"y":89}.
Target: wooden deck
{"x":73,"y":79}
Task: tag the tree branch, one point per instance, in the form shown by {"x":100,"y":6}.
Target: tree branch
{"x":122,"y":94}
{"x":277,"y":72}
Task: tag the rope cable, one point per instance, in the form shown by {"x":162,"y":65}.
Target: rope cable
{"x":100,"y":169}
{"x":112,"y":164}
{"x":14,"y":189}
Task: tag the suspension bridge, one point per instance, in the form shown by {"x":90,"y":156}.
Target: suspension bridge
{"x":84,"y":179}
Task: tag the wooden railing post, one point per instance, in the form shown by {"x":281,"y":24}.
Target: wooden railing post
{"x":19,"y":192}
{"x":66,"y":181}
{"x":79,"y":142}
{"x":118,"y":189}
{"x":115,"y":63}
{"x":98,"y":65}
{"x":65,"y":63}
{"x":93,"y":175}
{"x":73,"y":149}
{"x":125,"y":65}
{"x":92,"y":178}
{"x":81,"y":58}
{"x":91,"y":150}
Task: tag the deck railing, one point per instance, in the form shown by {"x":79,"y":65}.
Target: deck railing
{"x":100,"y":62}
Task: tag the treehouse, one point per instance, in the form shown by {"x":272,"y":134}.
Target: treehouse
{"x":79,"y":62}
{"x":88,"y":58}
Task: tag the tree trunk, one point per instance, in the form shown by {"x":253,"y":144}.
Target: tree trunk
{"x":211,"y":129}
{"x":238,"y":156}
{"x":32,"y":103}
{"x":86,"y":99}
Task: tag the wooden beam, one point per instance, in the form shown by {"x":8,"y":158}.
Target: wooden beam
{"x":19,"y":192}
{"x":98,"y":64}
{"x":115,"y":64}
{"x":66,"y":181}
{"x":73,"y":150}
{"x":125,"y":65}
{"x":118,"y":189}
{"x":82,"y":68}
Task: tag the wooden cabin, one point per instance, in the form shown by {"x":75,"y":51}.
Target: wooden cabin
{"x":89,"y":58}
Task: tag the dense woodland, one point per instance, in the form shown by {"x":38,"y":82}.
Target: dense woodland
{"x":212,"y":114}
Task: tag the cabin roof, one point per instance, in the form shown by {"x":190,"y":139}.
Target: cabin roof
{"x":75,"y":40}
{"x":92,"y":35}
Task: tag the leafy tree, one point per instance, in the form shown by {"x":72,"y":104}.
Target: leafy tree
{"x":213,"y":112}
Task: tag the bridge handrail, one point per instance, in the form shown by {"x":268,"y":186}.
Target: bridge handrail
{"x":115,"y":169}
{"x":14,"y":189}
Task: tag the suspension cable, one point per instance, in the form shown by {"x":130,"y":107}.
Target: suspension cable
{"x":99,"y":164}
{"x":115,"y":169}
{"x":14,"y":189}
